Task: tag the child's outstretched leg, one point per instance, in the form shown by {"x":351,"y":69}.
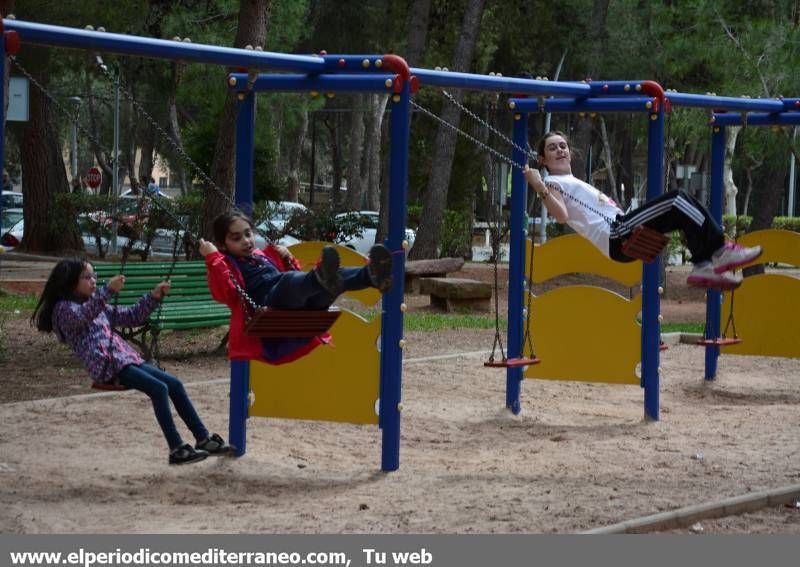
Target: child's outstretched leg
{"x":327,"y":271}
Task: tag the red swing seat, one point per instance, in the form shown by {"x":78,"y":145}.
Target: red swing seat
{"x":644,"y":244}
{"x":290,"y":323}
{"x":511,"y":362}
{"x":719,"y":341}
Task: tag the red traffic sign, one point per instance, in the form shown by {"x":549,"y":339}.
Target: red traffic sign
{"x":94,"y":177}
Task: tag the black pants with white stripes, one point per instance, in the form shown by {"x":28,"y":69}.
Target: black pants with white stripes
{"x":675,"y":210}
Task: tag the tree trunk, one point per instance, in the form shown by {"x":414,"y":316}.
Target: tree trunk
{"x":43,"y":173}
{"x":295,"y":157}
{"x":607,"y":157}
{"x":598,"y":38}
{"x":354,"y":155}
{"x":428,"y":236}
{"x":175,"y":128}
{"x":418,"y":19}
{"x":731,"y":135}
{"x":377,"y":106}
{"x":252,"y":30}
{"x":332,"y":125}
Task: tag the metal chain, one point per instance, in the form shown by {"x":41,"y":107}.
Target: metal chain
{"x":528,"y":152}
{"x":165,"y":136}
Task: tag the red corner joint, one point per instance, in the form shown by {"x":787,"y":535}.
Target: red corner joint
{"x":12,"y":42}
{"x":398,"y":65}
{"x":655,"y":90}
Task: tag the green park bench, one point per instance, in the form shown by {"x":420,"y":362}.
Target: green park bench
{"x":189,"y":304}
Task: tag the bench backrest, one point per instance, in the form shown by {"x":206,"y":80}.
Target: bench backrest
{"x":189,"y":279}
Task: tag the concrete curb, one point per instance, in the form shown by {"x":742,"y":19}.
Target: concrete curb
{"x":672,"y":339}
{"x":689,"y":515}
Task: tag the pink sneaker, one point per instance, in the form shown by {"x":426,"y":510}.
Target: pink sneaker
{"x":704,"y":275}
{"x":731,"y":256}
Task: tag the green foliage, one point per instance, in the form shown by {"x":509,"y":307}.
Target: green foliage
{"x":433,"y":322}
{"x":786,"y":223}
{"x":456,"y":234}
{"x":682,"y":327}
{"x":13,"y":305}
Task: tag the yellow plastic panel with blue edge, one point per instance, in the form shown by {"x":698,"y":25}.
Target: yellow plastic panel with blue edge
{"x":332,"y":383}
{"x":307,"y":253}
{"x":573,"y":253}
{"x":780,"y":246}
{"x":585,"y":334}
{"x":765,"y":305}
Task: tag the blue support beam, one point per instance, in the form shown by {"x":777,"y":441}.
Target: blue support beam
{"x":319,"y":83}
{"x":452,"y":79}
{"x":606,"y":104}
{"x":393,"y":306}
{"x":651,"y":300}
{"x":725,"y":102}
{"x":516,"y":262}
{"x":757,"y":119}
{"x":713,"y":296}
{"x":60,"y":36}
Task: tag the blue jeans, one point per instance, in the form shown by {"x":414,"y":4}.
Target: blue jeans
{"x":161,"y":387}
{"x":301,"y":290}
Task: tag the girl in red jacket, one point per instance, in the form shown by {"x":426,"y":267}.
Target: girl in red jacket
{"x":271,"y":278}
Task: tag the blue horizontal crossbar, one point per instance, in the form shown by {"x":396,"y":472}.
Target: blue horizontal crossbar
{"x":725,"y":102}
{"x":318,"y":83}
{"x":352,"y":63}
{"x":473,"y":81}
{"x":758,"y":119}
{"x":616,"y":87}
{"x":45,"y":34}
{"x":603,"y":104}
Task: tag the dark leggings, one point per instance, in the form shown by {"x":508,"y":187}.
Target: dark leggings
{"x":161,"y":387}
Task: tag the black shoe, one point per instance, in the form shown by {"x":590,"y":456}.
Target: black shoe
{"x":186,"y":454}
{"x":327,"y":271}
{"x":380,"y":267}
{"x":214,"y":445}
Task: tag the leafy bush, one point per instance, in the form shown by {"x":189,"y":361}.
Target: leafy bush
{"x":320,"y":223}
{"x":455,"y":237}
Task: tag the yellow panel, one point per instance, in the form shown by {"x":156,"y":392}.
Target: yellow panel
{"x":307,"y":253}
{"x":765,"y":312}
{"x":573,"y":253}
{"x":587,"y":334}
{"x":339,"y":383}
{"x":779,"y":245}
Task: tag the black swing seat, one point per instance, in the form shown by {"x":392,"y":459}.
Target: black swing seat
{"x":511,"y":362}
{"x":290,"y":323}
{"x":644,"y":244}
{"x":719,"y":341}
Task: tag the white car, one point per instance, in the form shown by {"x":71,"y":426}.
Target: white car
{"x":283,"y":211}
{"x":366,"y":240}
{"x":11,"y":199}
{"x":12,"y":237}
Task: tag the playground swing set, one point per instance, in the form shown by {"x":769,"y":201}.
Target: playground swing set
{"x":390,"y":74}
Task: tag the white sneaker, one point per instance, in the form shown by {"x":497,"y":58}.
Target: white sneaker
{"x":732,"y":256}
{"x":705,"y":275}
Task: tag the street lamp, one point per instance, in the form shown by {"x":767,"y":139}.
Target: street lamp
{"x":77,"y":101}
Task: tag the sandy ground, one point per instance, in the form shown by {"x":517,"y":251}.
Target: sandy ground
{"x":579,"y":456}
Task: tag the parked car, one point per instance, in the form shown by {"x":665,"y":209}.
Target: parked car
{"x":11,"y":200}
{"x":281,"y":211}
{"x":10,"y":217}
{"x":369,"y":220}
{"x":12,"y":233}
{"x":129,"y":194}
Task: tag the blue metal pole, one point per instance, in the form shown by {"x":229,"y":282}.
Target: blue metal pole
{"x":240,"y":370}
{"x":372,"y":82}
{"x":516,"y":262}
{"x":713,"y":296}
{"x":757,"y":119}
{"x":433,"y":78}
{"x":725,"y":102}
{"x":392,"y":333}
{"x":45,"y":34}
{"x":605,"y":104}
{"x":3,"y":64}
{"x":651,"y":301}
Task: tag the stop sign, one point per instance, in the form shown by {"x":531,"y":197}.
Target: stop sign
{"x":94,"y":177}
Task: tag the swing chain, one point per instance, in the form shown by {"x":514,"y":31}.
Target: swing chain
{"x":180,"y":152}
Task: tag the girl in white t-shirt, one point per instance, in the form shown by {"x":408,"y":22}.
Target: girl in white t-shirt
{"x":597,"y":218}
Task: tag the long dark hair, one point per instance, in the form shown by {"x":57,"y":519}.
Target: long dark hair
{"x":224,"y":221}
{"x":60,"y":285}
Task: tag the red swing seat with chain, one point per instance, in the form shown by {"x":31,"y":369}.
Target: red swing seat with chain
{"x":719,"y":341}
{"x":511,"y":362}
{"x":644,"y":244}
{"x":290,"y":323}
{"x":108,"y":387}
